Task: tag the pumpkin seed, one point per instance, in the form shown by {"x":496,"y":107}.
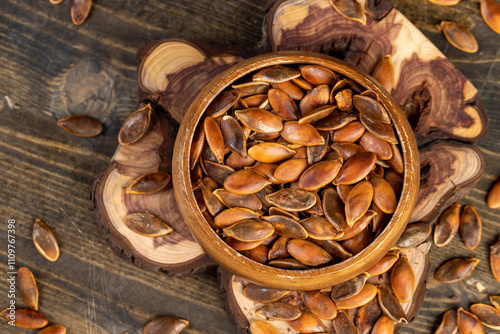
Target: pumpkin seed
{"x":371,"y":109}
{"x":317,"y":114}
{"x":356,"y":168}
{"x":319,"y":174}
{"x":320,"y":228}
{"x":214,"y":138}
{"x":254,"y":101}
{"x":455,"y":269}
{"x":344,"y":100}
{"x":334,"y":121}
{"x":233,"y":136}
{"x":447,"y":225}
{"x":361,"y":224}
{"x":242,"y":245}
{"x":459,"y":36}
{"x":283,"y":105}
{"x":53,"y":329}
{"x":384,"y":73}
{"x":376,"y":145}
{"x":495,"y":260}
{"x":307,"y":252}
{"x":259,"y":120}
{"x":488,"y":315}
{"x":470,"y":227}
{"x":218,"y":172}
{"x":27,"y":287}
{"x":396,"y":161}
{"x":149,"y":183}
{"x":317,"y":97}
{"x":277,"y":211}
{"x":301,"y":134}
{"x":343,"y":324}
{"x":197,"y":145}
{"x":252,"y":88}
{"x":292,"y":199}
{"x":358,"y":201}
{"x":262,"y":327}
{"x":449,"y":323}
{"x":333,"y":248}
{"x":350,"y":9}
{"x":26,"y":318}
{"x":383,"y":194}
{"x":223,"y":102}
{"x":261,"y":194}
{"x":359,"y":242}
{"x":367,"y":316}
{"x":391,"y":306}
{"x":270,"y":152}
{"x":290,"y":170}
{"x":493,"y":198}
{"x":246,"y":181}
{"x":303,"y":83}
{"x":308,"y":323}
{"x":249,"y":230}
{"x":495,"y":300}
{"x":291,"y":89}
{"x":380,"y":219}
{"x":278,"y":250}
{"x":165,"y":325}
{"x":258,"y":254}
{"x":349,"y":289}
{"x":236,"y":162}
{"x":317,"y":152}
{"x":349,"y":132}
{"x":278,"y":311}
{"x":319,"y":304}
{"x":367,"y":293}
{"x":318,"y":75}
{"x":262,"y":294}
{"x":384,"y":325}
{"x":413,"y":235}
{"x":288,"y":263}
{"x":333,"y":208}
{"x":80,"y":9}
{"x":147,"y":224}
{"x":231,"y":216}
{"x":276,"y":73}
{"x":468,"y":322}
{"x":287,"y":227}
{"x":232,"y":200}
{"x":81,"y":125}
{"x":135,"y":126}
{"x":379,"y":129}
{"x":317,"y":208}
{"x":403,"y":279}
{"x":214,"y":205}
{"x":347,"y":150}
{"x":44,"y":241}
{"x":384,"y":264}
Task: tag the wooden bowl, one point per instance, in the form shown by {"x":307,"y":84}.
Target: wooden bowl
{"x":268,"y":276}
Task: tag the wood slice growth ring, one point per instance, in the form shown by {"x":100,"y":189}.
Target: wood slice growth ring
{"x":442,"y":106}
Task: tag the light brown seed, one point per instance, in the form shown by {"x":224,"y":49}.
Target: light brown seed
{"x":165,"y":325}
{"x":283,"y":105}
{"x":135,"y":126}
{"x":81,"y":125}
{"x":320,"y":228}
{"x":291,"y":89}
{"x":343,"y":324}
{"x":223,"y":102}
{"x":319,"y":174}
{"x":350,"y":9}
{"x":236,"y":162}
{"x":249,"y":230}
{"x":384,"y":264}
{"x":278,"y":311}
{"x":277,"y":211}
{"x":218,"y":172}
{"x":258,"y":254}
{"x":490,"y":10}
{"x":234,"y":136}
{"x":288,"y":263}
{"x":333,"y":208}
{"x":290,"y":170}
{"x":379,"y":129}
{"x":262,"y":327}
{"x":358,"y":201}
{"x":493,"y":199}
{"x":359,"y":242}
{"x":384,"y":325}
{"x":403,"y":279}
{"x":308,"y":253}
{"x":448,"y":324}
{"x":303,"y":83}
{"x":495,"y":260}
{"x":367,"y":293}
{"x":318,"y":75}
{"x":301,"y":134}
{"x":384,"y":73}
{"x":276,"y":74}
{"x":197,"y":145}
{"x":27,"y":287}
{"x":447,"y":225}
{"x":80,"y":9}
{"x":367,"y":316}
{"x":308,"y":323}
{"x":471,"y":227}
{"x":246,"y":181}
{"x":270,"y":152}
{"x":287,"y":227}
{"x":349,"y":133}
{"x":319,"y":304}
{"x":391,"y":306}
{"x":316,"y":153}
{"x":334,"y":121}
{"x":468,"y":322}
{"x":334,"y":248}
{"x":278,"y":250}
{"x":252,"y":88}
{"x":254,"y":101}
{"x":371,"y":109}
{"x":349,"y":289}
{"x":212,"y":202}
{"x":214,"y":138}
{"x":315,"y":98}
{"x":380,"y":147}
{"x":242,"y":245}
{"x":231,"y":216}
{"x":149,"y":183}
{"x":317,"y":114}
{"x":488,"y":315}
{"x":53,"y":329}
{"x":383,"y":194}
{"x":361,"y":224}
{"x":44,"y":241}
{"x":292,"y":199}
{"x":347,"y":150}
{"x":356,"y":168}
{"x":459,"y":36}
{"x":25,"y":318}
{"x":455,"y":269}
{"x":232,"y":200}
{"x":344,"y":100}
{"x":259,"y":120}
{"x":262,"y":294}
{"x":147,"y":224}
{"x":413,"y":235}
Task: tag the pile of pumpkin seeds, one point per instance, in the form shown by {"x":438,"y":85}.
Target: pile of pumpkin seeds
{"x":296,"y":166}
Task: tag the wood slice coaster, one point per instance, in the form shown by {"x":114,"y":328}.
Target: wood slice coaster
{"x":441,"y":104}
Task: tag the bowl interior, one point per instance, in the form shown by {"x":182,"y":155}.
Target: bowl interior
{"x":242,"y":266}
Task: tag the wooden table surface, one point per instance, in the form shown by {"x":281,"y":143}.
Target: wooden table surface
{"x":47,"y":173}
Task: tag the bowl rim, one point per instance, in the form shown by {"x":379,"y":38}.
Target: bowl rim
{"x":240,"y":265}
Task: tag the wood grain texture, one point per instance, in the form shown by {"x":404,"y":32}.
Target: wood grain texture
{"x":47,"y":173}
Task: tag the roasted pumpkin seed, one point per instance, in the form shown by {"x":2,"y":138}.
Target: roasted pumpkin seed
{"x":470,"y":227}
{"x":367,"y":293}
{"x":147,"y":224}
{"x":231,"y":216}
{"x":495,"y":260}
{"x":291,"y":89}
{"x":391,"y":306}
{"x":347,"y":150}
{"x":361,"y":224}
{"x":384,"y":264}
{"x":214,"y":138}
{"x":459,"y":36}
{"x":413,"y":235}
{"x":447,"y":225}
{"x":276,"y":73}
{"x":350,"y":9}
{"x":334,"y":248}
{"x":490,"y":10}
{"x":315,"y":98}
{"x":287,"y":227}
{"x":301,"y":134}
{"x":455,"y":269}
{"x":25,"y":318}
{"x":334,"y":210}
{"x":258,"y":254}
{"x":448,"y":324}
{"x":396,"y":161}
{"x":334,"y":121}
{"x":403,"y":279}
{"x":222,"y":103}
{"x":27,"y":287}
{"x":359,"y":242}
{"x":53,"y":329}
{"x":149,"y":183}
{"x":468,"y":322}
{"x":278,"y":311}
{"x":262,"y":294}
{"x":283,"y":105}
{"x":349,"y":133}
{"x":358,"y":201}
{"x":488,"y":315}
{"x":44,"y":241}
{"x":288,"y":263}
{"x":317,"y":114}
{"x":165,"y":325}
{"x":371,"y":109}
{"x":320,"y":228}
{"x":242,"y":245}
{"x":246,"y":181}
{"x":270,"y":152}
{"x":367,"y":316}
{"x":259,"y":120}
{"x":249,"y":230}
{"x":344,"y":100}
{"x":380,"y":147}
{"x":383,"y":194}
{"x":308,"y":323}
{"x":308,"y":253}
{"x":292,"y":199}
{"x":379,"y":129}
{"x":252,"y":88}
{"x":232,"y":200}
{"x":493,"y":198}
{"x":278,"y":250}
{"x":319,"y":174}
{"x":212,"y":202}
{"x":80,"y":9}
{"x":81,"y":125}
{"x":356,"y":168}
{"x":349,"y":289}
{"x":343,"y":324}
{"x":319,"y":304}
{"x":384,"y":325}
{"x":262,"y":327}
{"x":236,"y":162}
{"x":384,"y":73}
{"x":318,"y":75}
{"x":135,"y":126}
{"x":290,"y":170}
{"x":234,"y":136}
